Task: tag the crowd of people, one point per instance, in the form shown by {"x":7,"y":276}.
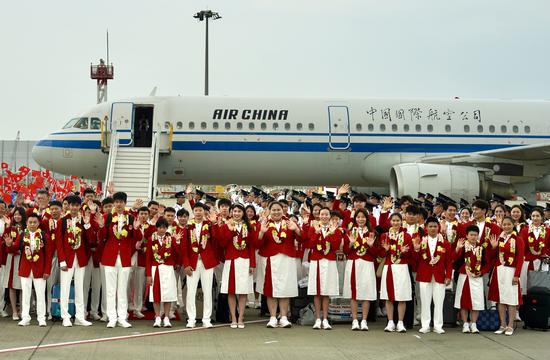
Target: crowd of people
{"x":396,"y":250}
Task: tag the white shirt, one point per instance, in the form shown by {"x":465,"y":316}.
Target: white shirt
{"x":198,"y":228}
{"x":33,"y":245}
{"x":536,"y":232}
{"x":238,"y":227}
{"x":278,"y":226}
{"x":2,"y":226}
{"x":432,"y":242}
{"x":481,"y":226}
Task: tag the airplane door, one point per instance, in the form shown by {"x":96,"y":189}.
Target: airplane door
{"x":339,"y":131}
{"x":122,"y":116}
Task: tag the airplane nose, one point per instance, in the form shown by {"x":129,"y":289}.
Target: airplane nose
{"x":41,"y":153}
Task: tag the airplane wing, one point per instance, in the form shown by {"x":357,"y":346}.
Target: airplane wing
{"x":534,"y":152}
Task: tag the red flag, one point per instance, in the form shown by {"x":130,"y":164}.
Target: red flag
{"x":73,"y":177}
{"x":23,"y":170}
{"x":36,"y":173}
{"x":46,"y":173}
{"x":6,"y":198}
{"x":4,"y":167}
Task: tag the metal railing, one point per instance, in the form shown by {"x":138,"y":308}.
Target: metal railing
{"x":153,"y":169}
{"x":111,"y":162}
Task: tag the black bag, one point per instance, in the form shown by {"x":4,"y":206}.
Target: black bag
{"x":222,"y":309}
{"x":537,"y":309}
{"x":298,"y":303}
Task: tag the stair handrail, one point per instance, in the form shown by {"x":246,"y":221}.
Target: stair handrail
{"x":154,"y":165}
{"x":111,"y":162}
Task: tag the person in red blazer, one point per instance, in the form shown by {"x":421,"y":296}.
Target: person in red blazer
{"x":433,"y":273}
{"x":199,"y":258}
{"x":237,"y":238}
{"x":161,"y":260}
{"x":73,"y":235}
{"x":536,"y":237}
{"x":34,"y":268}
{"x":116,"y":233}
{"x":49,"y":226}
{"x":505,"y":288}
{"x":324,"y":239}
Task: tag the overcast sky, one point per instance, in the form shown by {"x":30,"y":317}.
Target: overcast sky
{"x":340,"y":48}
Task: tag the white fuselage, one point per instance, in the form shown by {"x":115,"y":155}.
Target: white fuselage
{"x":301,"y":141}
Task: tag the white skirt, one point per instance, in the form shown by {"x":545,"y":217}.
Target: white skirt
{"x":12,"y":267}
{"x":402,"y":287}
{"x":326,"y":271}
{"x":508,"y":293}
{"x":475,"y":296}
{"x":365,"y":280}
{"x":284,"y":277}
{"x":165,"y":275}
{"x":243,"y":281}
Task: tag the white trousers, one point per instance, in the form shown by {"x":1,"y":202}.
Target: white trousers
{"x":26,"y":291}
{"x":431,"y":291}
{"x":66,"y":276}
{"x":103,"y":290}
{"x":87,"y":281}
{"x":116,"y":286}
{"x":96,"y":291}
{"x":2,"y":289}
{"x":50,"y":282}
{"x":138,"y":286}
{"x":205,"y":277}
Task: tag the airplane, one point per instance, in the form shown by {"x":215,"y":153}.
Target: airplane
{"x":462,"y":148}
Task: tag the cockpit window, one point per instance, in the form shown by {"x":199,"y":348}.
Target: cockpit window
{"x":79,"y":123}
{"x":95,"y":124}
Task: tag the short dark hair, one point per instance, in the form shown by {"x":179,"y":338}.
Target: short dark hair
{"x":56,"y":203}
{"x":89,"y":191}
{"x":162,"y":222}
{"x":33,"y":215}
{"x":170,"y":210}
{"x":225,"y":202}
{"x":423,"y":212}
{"x":359,"y":198}
{"x":412,"y":209}
{"x":182,"y":212}
{"x":447,"y":205}
{"x":481,"y":204}
{"x":152,"y":202}
{"x":107,"y":200}
{"x":405,"y":198}
{"x":120,"y":196}
{"x":73,"y":200}
{"x":473,"y":228}
{"x":143,"y":208}
{"x":201,"y":205}
{"x":431,"y":219}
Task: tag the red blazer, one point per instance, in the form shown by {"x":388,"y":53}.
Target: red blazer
{"x":323,"y":247}
{"x":285,"y":244}
{"x":64,"y":250}
{"x":44,"y":263}
{"x":113,"y":247}
{"x":359,"y":249}
{"x":143,"y":234}
{"x":209,"y":236}
{"x":441,"y":270}
{"x":535,"y":247}
{"x":167,"y":250}
{"x":228,"y":239}
{"x":510,"y":253}
{"x":404,"y":257}
{"x":14,"y":233}
{"x":460,"y":256}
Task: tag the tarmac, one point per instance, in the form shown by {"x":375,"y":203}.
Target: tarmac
{"x":143,"y":341}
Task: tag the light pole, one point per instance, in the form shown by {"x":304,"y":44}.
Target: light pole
{"x":205,"y":15}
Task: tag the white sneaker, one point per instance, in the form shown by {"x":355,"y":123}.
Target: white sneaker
{"x":4,"y":314}
{"x":123,"y":323}
{"x":390,"y":327}
{"x":416,"y":322}
{"x":466,"y":328}
{"x":355,"y":325}
{"x":233,"y":325}
{"x":67,"y":322}
{"x":50,"y":317}
{"x":15,"y":317}
{"x":257,"y":305}
{"x":24,"y":322}
{"x":138,"y":314}
{"x":42,"y":323}
{"x":157,"y":322}
{"x":439,"y":331}
{"x":95,"y":316}
{"x":284,"y":323}
{"x":250,"y":304}
{"x":517,"y":316}
{"x":500,"y":330}
{"x":400,"y":327}
{"x":317,"y":325}
{"x":473,"y":328}
{"x":171,"y":315}
{"x":190,"y":324}
{"x":206,"y":323}
{"x":364,"y":326}
{"x":241,"y":326}
{"x":424,"y":330}
{"x":166,"y":322}
{"x":82,"y":322}
{"x":104,"y":318}
{"x":111,"y":324}
{"x":272,"y":322}
{"x":509,"y":331}
{"x":326,"y":325}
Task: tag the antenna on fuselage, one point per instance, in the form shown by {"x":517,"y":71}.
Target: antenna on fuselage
{"x":102,"y":73}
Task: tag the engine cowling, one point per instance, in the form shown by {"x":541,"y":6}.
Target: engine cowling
{"x":454,"y":181}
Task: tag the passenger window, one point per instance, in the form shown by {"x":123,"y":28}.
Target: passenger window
{"x":406,"y":128}
{"x":299,"y":126}
{"x":275,"y":126}
{"x":239,"y":126}
{"x":359,"y":127}
{"x":430,"y":128}
{"x":203,"y":125}
{"x":382,"y":127}
{"x":263,"y":126}
{"x":95,"y":124}
{"x":370,"y":127}
{"x":311,"y":126}
{"x":515,"y":129}
{"x":251,"y":126}
{"x":215,"y":125}
{"x":480,"y":128}
{"x":491,"y":128}
{"x":448,"y":128}
{"x":503,"y":129}
{"x":467,"y":128}
{"x":179,"y":124}
{"x":394,"y":127}
{"x":191,"y":125}
{"x":287,"y":126}
{"x":227,"y":125}
{"x":418,"y":128}
{"x":527,"y":129}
